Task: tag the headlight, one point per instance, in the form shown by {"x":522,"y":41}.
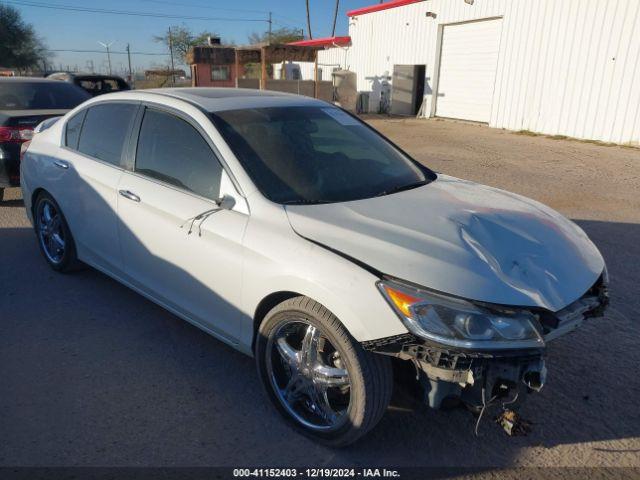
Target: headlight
{"x":460,"y":323}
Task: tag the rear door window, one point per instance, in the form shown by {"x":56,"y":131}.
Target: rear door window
{"x":73,"y":130}
{"x":173,"y":151}
{"x":105,"y":131}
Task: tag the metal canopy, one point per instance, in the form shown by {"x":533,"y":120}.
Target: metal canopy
{"x":262,"y":54}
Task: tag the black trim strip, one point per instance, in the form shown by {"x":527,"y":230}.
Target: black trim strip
{"x":353,"y":260}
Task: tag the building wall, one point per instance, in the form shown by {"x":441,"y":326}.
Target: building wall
{"x":328,"y":60}
{"x":569,"y":67}
{"x":201,"y":76}
{"x":302,"y":87}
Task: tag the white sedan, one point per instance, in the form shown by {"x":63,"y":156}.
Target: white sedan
{"x":291,"y":230}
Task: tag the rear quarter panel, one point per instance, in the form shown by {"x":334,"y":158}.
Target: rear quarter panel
{"x":36,"y":168}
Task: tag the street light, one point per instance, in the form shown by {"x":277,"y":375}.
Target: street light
{"x":107,"y":46}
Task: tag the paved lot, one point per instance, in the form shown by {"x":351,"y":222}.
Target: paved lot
{"x":93,"y":374}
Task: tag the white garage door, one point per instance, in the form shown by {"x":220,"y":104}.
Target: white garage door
{"x":468,"y":65}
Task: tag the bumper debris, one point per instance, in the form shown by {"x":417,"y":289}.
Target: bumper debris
{"x":480,"y":377}
{"x":513,"y":424}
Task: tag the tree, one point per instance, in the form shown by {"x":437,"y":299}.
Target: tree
{"x":183,"y":39}
{"x":278,"y":36}
{"x":20,"y":47}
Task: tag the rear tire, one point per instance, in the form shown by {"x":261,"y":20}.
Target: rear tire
{"x":317,"y":404}
{"x":54,"y":237}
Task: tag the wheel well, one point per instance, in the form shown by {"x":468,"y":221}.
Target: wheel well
{"x":265,"y":306}
{"x":34,"y":195}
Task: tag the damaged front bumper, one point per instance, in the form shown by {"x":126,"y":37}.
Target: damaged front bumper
{"x":471,"y":376}
{"x":477,"y":377}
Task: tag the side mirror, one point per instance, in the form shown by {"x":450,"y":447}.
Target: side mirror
{"x":226,"y":202}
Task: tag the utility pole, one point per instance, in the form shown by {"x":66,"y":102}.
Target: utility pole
{"x":335,"y":17}
{"x":107,"y":46}
{"x":173,"y":78}
{"x":129,"y":58}
{"x":270,"y":22}
{"x":309,"y":21}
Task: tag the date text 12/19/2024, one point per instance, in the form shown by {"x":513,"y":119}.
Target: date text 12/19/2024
{"x":315,"y":473}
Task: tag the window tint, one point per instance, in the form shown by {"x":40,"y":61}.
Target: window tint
{"x":54,"y":95}
{"x":171,"y":150}
{"x":73,"y":129}
{"x":105,"y":131}
{"x":315,"y":155}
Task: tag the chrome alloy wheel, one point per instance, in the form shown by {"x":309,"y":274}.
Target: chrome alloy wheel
{"x":50,"y":231}
{"x":308,"y":375}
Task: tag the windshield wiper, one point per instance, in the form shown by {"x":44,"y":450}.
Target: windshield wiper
{"x":401,"y":188}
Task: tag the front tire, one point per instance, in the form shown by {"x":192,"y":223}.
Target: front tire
{"x":317,"y":376}
{"x":54,"y":237}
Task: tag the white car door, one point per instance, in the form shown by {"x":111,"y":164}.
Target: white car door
{"x":89,"y":168}
{"x":191,"y":265}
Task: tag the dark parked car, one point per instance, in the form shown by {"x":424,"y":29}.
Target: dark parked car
{"x":24,"y":103}
{"x":94,"y":84}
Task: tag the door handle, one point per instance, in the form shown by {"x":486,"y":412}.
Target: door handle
{"x":129,"y":195}
{"x":61,"y":164}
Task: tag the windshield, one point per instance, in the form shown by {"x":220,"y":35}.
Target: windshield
{"x":98,"y":86}
{"x":40,"y":96}
{"x":316,"y":154}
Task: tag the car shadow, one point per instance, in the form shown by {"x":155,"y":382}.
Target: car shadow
{"x":12,"y":203}
{"x":15,"y":199}
{"x":93,"y":373}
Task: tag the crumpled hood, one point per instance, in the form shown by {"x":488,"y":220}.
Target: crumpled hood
{"x":464,"y":239}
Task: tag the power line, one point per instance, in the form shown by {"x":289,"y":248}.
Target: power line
{"x":287,"y":19}
{"x":72,"y":8}
{"x":209,"y":7}
{"x":285,"y":24}
{"x":113,"y":52}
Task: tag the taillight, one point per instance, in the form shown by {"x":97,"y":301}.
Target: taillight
{"x":15,"y":134}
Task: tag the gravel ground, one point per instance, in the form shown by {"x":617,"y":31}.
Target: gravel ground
{"x":93,"y":374}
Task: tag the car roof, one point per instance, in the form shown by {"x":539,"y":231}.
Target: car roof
{"x":219,"y":99}
{"x":28,"y":80}
{"x":91,"y":76}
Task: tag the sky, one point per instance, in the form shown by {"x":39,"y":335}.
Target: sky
{"x":74,"y":30}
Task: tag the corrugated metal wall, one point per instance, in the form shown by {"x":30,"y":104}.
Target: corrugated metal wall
{"x":328,"y":60}
{"x":566,"y":67}
{"x":336,"y":57}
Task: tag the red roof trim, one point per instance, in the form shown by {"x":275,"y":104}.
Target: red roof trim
{"x":381,"y":6}
{"x":323,"y":42}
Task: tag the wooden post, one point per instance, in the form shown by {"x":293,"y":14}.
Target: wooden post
{"x":237,"y":65}
{"x":263,"y":68}
{"x":315,"y":75}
